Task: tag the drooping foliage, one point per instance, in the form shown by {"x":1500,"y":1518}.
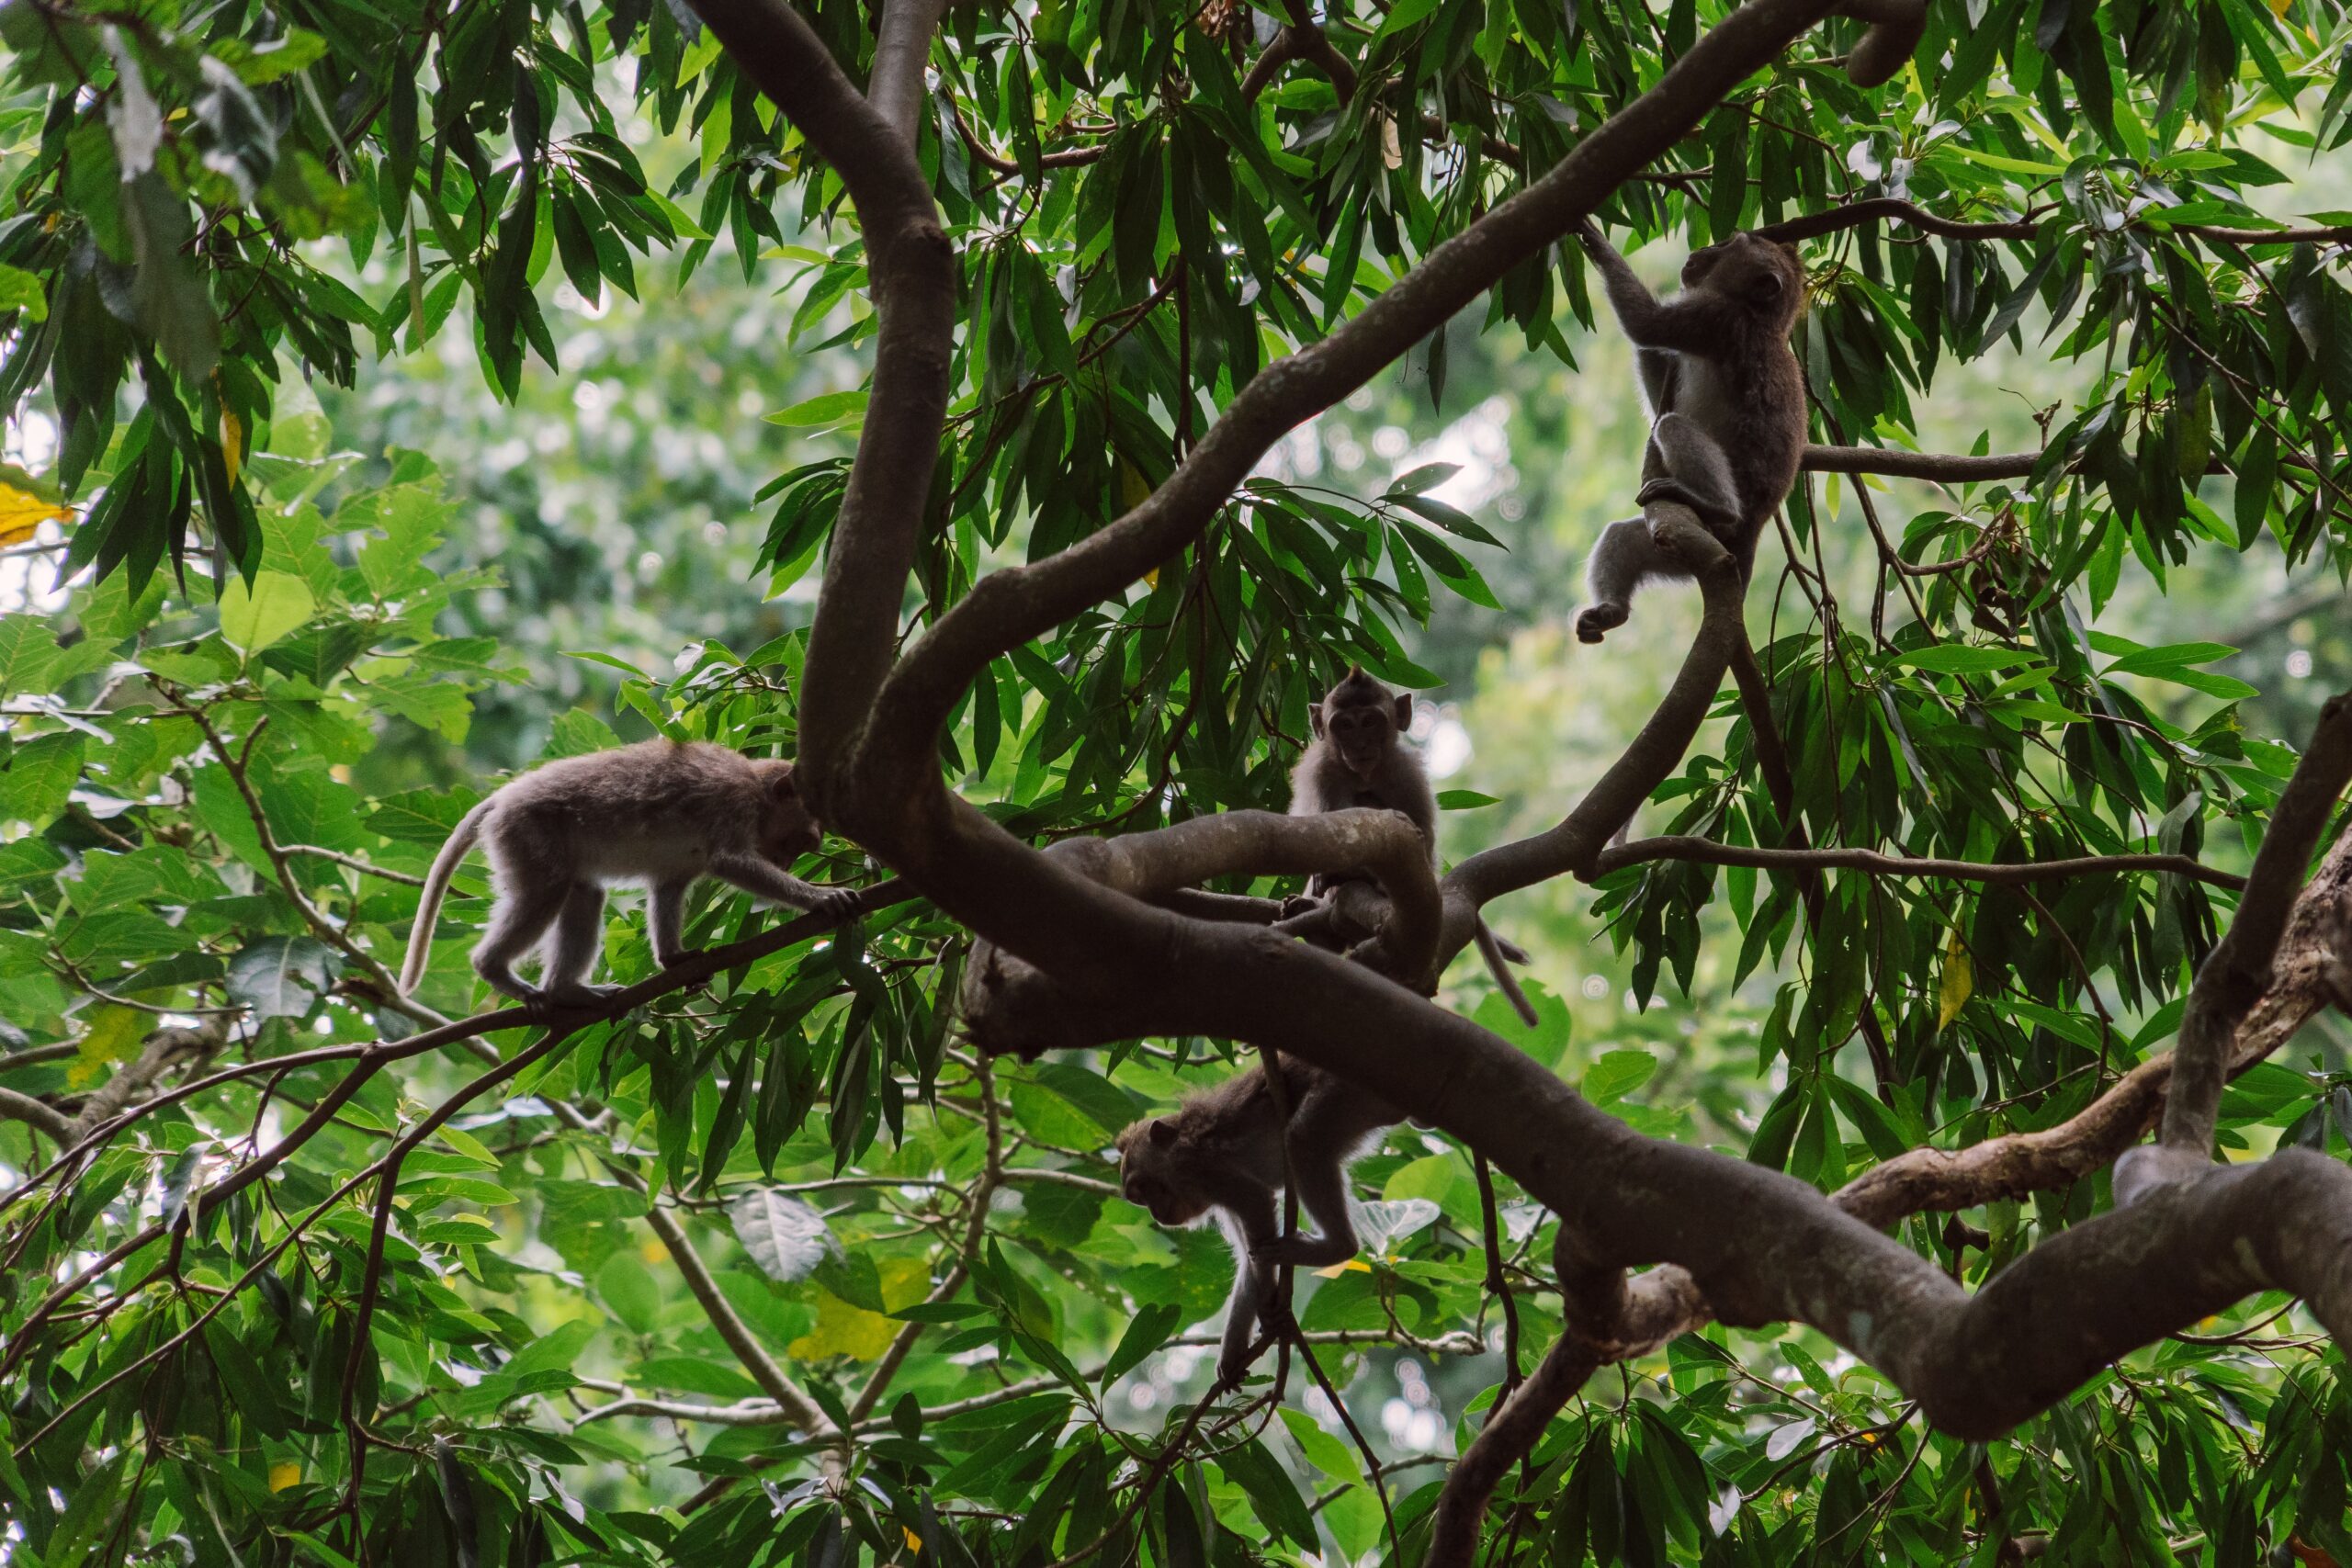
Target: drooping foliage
{"x":308,"y":1291}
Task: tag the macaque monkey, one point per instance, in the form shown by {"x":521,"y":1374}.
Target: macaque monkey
{"x":664,"y":813}
{"x":1356,"y":759}
{"x":1224,"y":1149}
{"x":1728,"y":401}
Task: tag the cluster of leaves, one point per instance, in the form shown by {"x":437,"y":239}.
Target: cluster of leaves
{"x":327,"y":1255}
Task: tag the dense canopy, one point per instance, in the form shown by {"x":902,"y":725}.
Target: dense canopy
{"x":1130,"y":370}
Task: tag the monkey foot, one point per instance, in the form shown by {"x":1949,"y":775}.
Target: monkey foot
{"x":672,"y":960}
{"x":578,"y":996}
{"x":841,"y":904}
{"x":1595,"y":620}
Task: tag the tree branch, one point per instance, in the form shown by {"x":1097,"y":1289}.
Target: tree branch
{"x":1575,"y":844}
{"x":36,"y":1114}
{"x":1300,"y":40}
{"x":2237,"y":972}
{"x":901,"y":55}
{"x":799,"y":1409}
{"x":911,"y":267}
{"x":1886,"y":208}
{"x":1681,"y":847}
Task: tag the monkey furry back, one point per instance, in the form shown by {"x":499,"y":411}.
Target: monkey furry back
{"x":663,"y":813}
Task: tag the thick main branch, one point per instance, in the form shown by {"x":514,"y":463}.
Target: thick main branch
{"x":869,"y":145}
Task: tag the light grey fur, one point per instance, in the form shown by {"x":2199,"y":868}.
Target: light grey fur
{"x":663,"y":814}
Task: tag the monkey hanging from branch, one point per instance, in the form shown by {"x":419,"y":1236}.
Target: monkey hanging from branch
{"x":1728,"y":401}
{"x":664,"y":813}
{"x":1228,"y":1151}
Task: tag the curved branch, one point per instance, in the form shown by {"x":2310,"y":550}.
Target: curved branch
{"x":2237,"y":972}
{"x":1575,"y":844}
{"x":911,"y":266}
{"x":1947,"y":467}
{"x":798,"y":1408}
{"x":1683,"y":847}
{"x":1300,"y":40}
{"x":1266,"y":843}
{"x":1887,"y":208}
{"x":38,"y":1114}
{"x":901,"y":53}
{"x":1013,"y":605}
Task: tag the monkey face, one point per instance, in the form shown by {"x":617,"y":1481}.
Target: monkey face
{"x":789,"y":831}
{"x":1365,"y":733}
{"x":1147,"y":1177}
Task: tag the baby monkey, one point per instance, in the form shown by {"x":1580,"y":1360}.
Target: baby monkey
{"x":663,"y":813}
{"x":1727,"y":405}
{"x":1224,"y":1150}
{"x":1356,"y":759}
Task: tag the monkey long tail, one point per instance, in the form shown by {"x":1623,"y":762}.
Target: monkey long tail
{"x":437,"y":887}
{"x":1496,"y":951}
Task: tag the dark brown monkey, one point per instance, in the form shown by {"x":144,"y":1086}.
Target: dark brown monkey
{"x":1223,"y":1150}
{"x":1357,"y":759}
{"x":663,"y":813}
{"x":1728,"y":400}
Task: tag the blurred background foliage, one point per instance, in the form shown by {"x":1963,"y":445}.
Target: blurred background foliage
{"x":555,"y":519}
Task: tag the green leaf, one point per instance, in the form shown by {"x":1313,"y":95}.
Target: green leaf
{"x":1958,"y":660}
{"x":282,"y":976}
{"x":783,"y":1236}
{"x":1617,"y":1074}
{"x":826,"y":410}
{"x":21,"y":290}
{"x":253,"y":619}
{"x":1146,"y":1331}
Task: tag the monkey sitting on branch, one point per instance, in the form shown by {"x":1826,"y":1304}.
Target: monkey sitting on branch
{"x":663,"y":813}
{"x":1225,"y":1150}
{"x":1357,"y":759}
{"x":1728,"y":401}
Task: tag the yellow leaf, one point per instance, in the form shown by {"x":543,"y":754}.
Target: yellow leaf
{"x":233,"y":438}
{"x":914,"y":1541}
{"x":653,"y":1252}
{"x":843,"y":1330}
{"x":1959,"y":983}
{"x":22,"y":514}
{"x":113,"y":1035}
{"x":1352,"y":1265}
{"x":284,"y":1473}
{"x":1134,"y":488}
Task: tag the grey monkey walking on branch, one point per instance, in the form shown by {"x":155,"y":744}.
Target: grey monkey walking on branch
{"x":1728,"y":400}
{"x":663,"y":813}
{"x":1357,"y":758}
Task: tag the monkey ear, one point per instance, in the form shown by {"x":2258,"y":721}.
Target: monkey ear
{"x":1404,"y":712}
{"x":1767,"y":286}
{"x":1315,"y":718}
{"x":782,"y":785}
{"x":1355,"y":672}
{"x":1163,"y":1131}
